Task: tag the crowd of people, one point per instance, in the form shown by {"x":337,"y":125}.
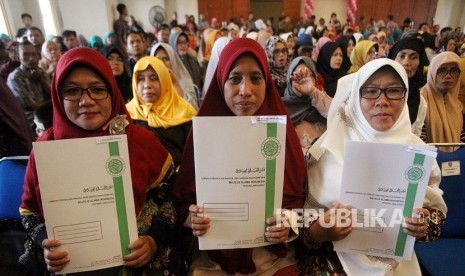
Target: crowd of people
{"x":335,"y":82}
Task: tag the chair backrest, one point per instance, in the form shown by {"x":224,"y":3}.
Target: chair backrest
{"x":454,"y":193}
{"x":12,"y":171}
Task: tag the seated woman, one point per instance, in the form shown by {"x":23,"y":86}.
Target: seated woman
{"x":158,"y":107}
{"x":50,"y":54}
{"x":347,"y":43}
{"x":303,"y":103}
{"x":242,"y":86}
{"x":87,"y":103}
{"x":353,"y":116}
{"x":115,"y":57}
{"x":444,"y":119}
{"x":180,"y":43}
{"x":364,"y":52}
{"x":410,"y":52}
{"x":329,"y":66}
{"x":182,"y":81}
{"x":278,"y":58}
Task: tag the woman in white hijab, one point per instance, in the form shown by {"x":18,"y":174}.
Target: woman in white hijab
{"x":368,"y":115}
{"x":182,"y":81}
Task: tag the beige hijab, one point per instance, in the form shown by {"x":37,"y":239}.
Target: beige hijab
{"x":444,"y":120}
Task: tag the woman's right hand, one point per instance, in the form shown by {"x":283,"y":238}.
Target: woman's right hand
{"x":55,"y":260}
{"x":303,"y":82}
{"x":199,"y":223}
{"x":332,"y":230}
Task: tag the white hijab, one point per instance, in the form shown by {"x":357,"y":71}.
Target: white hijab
{"x":218,"y":47}
{"x":347,"y":123}
{"x":178,"y":68}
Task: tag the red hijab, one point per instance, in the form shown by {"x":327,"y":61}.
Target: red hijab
{"x":184,"y":193}
{"x":149,"y":161}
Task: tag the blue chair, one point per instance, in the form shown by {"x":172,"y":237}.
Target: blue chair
{"x":12,"y":171}
{"x":445,"y":256}
{"x":12,"y":234}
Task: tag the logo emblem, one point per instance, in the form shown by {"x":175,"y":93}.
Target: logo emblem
{"x":415,"y":173}
{"x":115,"y":166}
{"x":271,"y":148}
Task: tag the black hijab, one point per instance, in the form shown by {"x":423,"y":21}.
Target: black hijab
{"x":343,"y":41}
{"x":415,"y":82}
{"x":124,"y":80}
{"x":323,"y":66}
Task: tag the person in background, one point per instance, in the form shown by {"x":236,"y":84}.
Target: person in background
{"x":218,"y":47}
{"x":157,"y":106}
{"x":16,"y":136}
{"x":242,"y":86}
{"x":110,"y":41}
{"x":329,"y":65}
{"x":300,"y":97}
{"x":116,"y":57}
{"x":69,"y":40}
{"x":278,"y":59}
{"x":13,"y":60}
{"x":347,"y":43}
{"x":410,"y":52}
{"x":59,"y":42}
{"x":179,"y":42}
{"x":180,"y":78}
{"x":135,"y":48}
{"x":84,"y":81}
{"x":29,"y":83}
{"x":120,"y":26}
{"x":96,"y":43}
{"x":364,"y":52}
{"x":36,"y":37}
{"x":27,"y":22}
{"x":444,"y":119}
{"x":50,"y":56}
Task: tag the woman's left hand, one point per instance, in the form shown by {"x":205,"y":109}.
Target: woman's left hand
{"x":417,"y":226}
{"x":277,"y":233}
{"x":142,"y":251}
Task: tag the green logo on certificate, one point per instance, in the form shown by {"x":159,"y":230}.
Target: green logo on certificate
{"x":115,"y":166}
{"x":271,"y":148}
{"x":415,"y":173}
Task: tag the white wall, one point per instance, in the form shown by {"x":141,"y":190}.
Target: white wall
{"x":14,"y":9}
{"x":140,"y":10}
{"x":450,"y":13}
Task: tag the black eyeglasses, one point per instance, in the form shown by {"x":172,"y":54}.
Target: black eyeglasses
{"x":278,"y":51}
{"x":454,"y":72}
{"x":183,"y":42}
{"x":392,"y":93}
{"x":74,"y":93}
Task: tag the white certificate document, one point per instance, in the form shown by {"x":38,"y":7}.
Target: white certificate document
{"x":87,"y":198}
{"x":384,"y":183}
{"x":239,"y":172}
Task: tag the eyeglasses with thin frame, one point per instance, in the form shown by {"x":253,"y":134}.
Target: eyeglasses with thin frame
{"x":454,"y":72}
{"x":280,"y":51}
{"x":74,"y":93}
{"x":183,"y":42}
{"x":392,"y":93}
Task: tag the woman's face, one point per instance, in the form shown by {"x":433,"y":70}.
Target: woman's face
{"x":447,"y":76}
{"x":53,"y":51}
{"x":382,"y":113}
{"x":372,"y":54}
{"x":409,"y":60}
{"x":280,"y":55}
{"x":86,"y":113}
{"x":451,"y":45}
{"x":350,"y":47}
{"x":116,"y":63}
{"x":290,"y":43}
{"x":244,"y":89}
{"x":336,"y":59}
{"x":163,"y":56}
{"x":182,"y":44}
{"x":148,"y":85}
